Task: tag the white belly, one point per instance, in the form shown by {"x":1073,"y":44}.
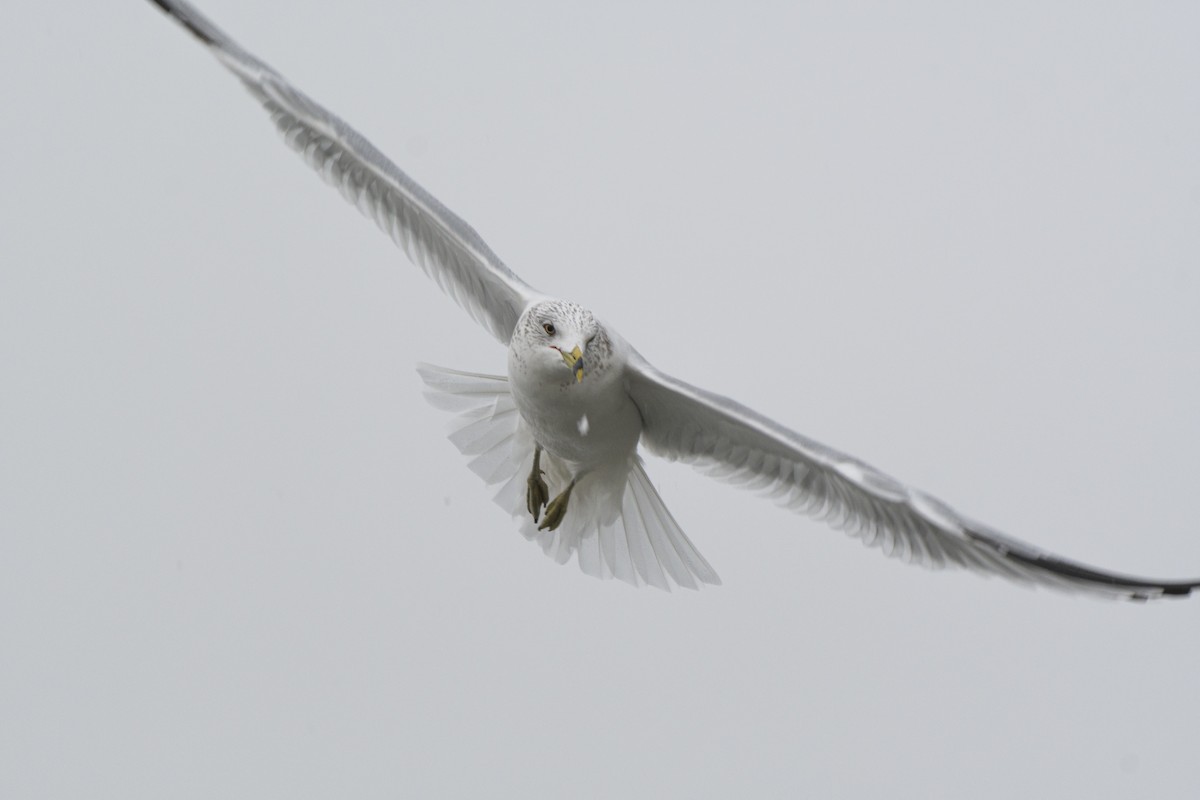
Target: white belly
{"x":590,"y":424}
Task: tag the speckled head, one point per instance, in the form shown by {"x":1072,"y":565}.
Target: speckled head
{"x":559,"y":341}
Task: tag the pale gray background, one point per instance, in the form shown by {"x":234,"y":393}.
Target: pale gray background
{"x":239,"y":559}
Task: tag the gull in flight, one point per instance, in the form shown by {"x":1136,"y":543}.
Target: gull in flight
{"x":559,"y":434}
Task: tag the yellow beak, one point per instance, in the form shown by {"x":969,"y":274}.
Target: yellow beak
{"x":574,"y":360}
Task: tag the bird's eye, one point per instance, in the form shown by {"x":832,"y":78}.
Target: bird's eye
{"x":548,"y":328}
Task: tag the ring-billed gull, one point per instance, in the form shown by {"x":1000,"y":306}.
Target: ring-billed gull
{"x":560,"y":433}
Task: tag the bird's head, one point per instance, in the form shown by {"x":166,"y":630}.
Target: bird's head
{"x":560,"y":341}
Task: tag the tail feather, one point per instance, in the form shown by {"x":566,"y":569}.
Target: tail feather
{"x":617,"y":526}
{"x":674,"y":551}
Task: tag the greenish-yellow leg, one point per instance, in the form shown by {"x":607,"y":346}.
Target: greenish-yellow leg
{"x":557,"y":509}
{"x":537,"y":493}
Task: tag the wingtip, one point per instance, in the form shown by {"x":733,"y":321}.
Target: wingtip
{"x":183,"y":15}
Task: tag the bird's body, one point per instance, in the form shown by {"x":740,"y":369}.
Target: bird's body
{"x":575,"y":435}
{"x":560,"y":434}
{"x":589,"y":422}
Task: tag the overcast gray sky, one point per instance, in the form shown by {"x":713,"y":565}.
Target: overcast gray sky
{"x":239,"y":558}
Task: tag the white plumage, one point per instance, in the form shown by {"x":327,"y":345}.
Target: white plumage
{"x":589,"y":412}
{"x":620,"y":530}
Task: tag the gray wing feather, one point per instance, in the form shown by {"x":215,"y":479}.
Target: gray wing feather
{"x":734,"y":443}
{"x":444,"y":246}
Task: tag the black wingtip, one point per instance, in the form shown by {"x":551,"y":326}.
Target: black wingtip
{"x":186,"y":21}
{"x":1138,"y":589}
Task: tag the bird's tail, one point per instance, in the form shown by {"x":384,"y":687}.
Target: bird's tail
{"x":616,"y":524}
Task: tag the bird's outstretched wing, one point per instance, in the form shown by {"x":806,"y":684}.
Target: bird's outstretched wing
{"x":436,"y":239}
{"x":734,"y":443}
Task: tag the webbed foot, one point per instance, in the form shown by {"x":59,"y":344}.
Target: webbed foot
{"x":557,"y":509}
{"x":537,"y":493}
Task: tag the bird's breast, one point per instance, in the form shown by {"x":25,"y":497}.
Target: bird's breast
{"x":589,"y":423}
